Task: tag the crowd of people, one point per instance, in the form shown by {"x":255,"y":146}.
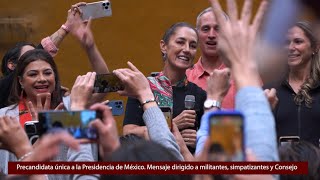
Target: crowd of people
{"x":226,"y":76}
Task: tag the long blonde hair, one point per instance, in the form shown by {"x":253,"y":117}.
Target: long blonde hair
{"x":314,"y":76}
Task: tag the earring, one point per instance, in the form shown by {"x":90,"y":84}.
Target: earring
{"x":21,"y":94}
{"x":164,"y":56}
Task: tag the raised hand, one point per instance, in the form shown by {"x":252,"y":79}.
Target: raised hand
{"x":81,"y":91}
{"x":13,"y":138}
{"x":218,"y":84}
{"x":43,"y":104}
{"x":107,"y":129}
{"x":136,"y":84}
{"x":80,"y":29}
{"x":271,"y":95}
{"x":237,"y":39}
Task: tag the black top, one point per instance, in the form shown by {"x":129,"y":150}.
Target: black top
{"x":5,"y":87}
{"x":134,"y":111}
{"x":297,"y":120}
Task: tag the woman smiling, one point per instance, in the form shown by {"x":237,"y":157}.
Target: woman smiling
{"x":170,"y":87}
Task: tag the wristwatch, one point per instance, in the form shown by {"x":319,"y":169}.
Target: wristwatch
{"x":210,"y":103}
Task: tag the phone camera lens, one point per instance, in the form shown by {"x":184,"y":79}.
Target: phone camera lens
{"x":119,"y":106}
{"x":103,"y":4}
{"x":108,"y":3}
{"x":106,"y":7}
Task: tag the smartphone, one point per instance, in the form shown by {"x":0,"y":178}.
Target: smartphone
{"x":75,"y":122}
{"x":105,"y":83}
{"x":32,"y":130}
{"x":117,"y":107}
{"x":283,"y":140}
{"x":96,"y":10}
{"x":167,"y":112}
{"x":226,"y":136}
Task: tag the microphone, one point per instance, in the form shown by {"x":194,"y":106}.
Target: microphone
{"x":189,"y":102}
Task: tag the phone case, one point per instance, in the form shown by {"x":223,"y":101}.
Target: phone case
{"x":32,"y":130}
{"x":167,"y":112}
{"x":117,"y":107}
{"x":96,"y":10}
{"x":226,"y":135}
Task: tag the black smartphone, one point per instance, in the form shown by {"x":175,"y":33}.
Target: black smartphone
{"x":105,"y":83}
{"x":32,"y":130}
{"x":167,"y":112}
{"x":283,"y":140}
{"x":75,"y":122}
{"x":226,"y":136}
{"x":117,"y":107}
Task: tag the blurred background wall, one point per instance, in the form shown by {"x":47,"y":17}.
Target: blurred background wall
{"x":132,"y":33}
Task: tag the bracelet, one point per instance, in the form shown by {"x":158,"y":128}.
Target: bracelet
{"x":66,"y":28}
{"x":25,"y":156}
{"x":148,"y":101}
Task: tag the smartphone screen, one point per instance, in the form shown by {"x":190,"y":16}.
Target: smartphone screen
{"x":168,"y":116}
{"x":226,"y":137}
{"x":284,"y":140}
{"x":96,"y":10}
{"x":75,"y":122}
{"x":117,"y":107}
{"x":105,"y":83}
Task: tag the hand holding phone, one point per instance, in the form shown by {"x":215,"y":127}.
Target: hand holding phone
{"x":226,"y":136}
{"x":96,"y":10}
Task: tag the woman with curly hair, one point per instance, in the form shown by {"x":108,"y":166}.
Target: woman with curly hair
{"x":298,"y":110}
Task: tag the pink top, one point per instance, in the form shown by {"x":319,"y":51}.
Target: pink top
{"x":199,"y":76}
{"x":49,"y":46}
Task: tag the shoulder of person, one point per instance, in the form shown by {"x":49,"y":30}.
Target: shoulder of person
{"x":196,"y":90}
{"x":12,"y":110}
{"x":192,"y":86}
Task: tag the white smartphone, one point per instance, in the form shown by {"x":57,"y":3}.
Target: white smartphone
{"x":96,"y":10}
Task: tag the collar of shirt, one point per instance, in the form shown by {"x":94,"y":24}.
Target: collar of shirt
{"x":199,"y":69}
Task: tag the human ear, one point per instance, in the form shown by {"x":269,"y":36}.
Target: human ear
{"x":20,"y":80}
{"x":163,"y":47}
